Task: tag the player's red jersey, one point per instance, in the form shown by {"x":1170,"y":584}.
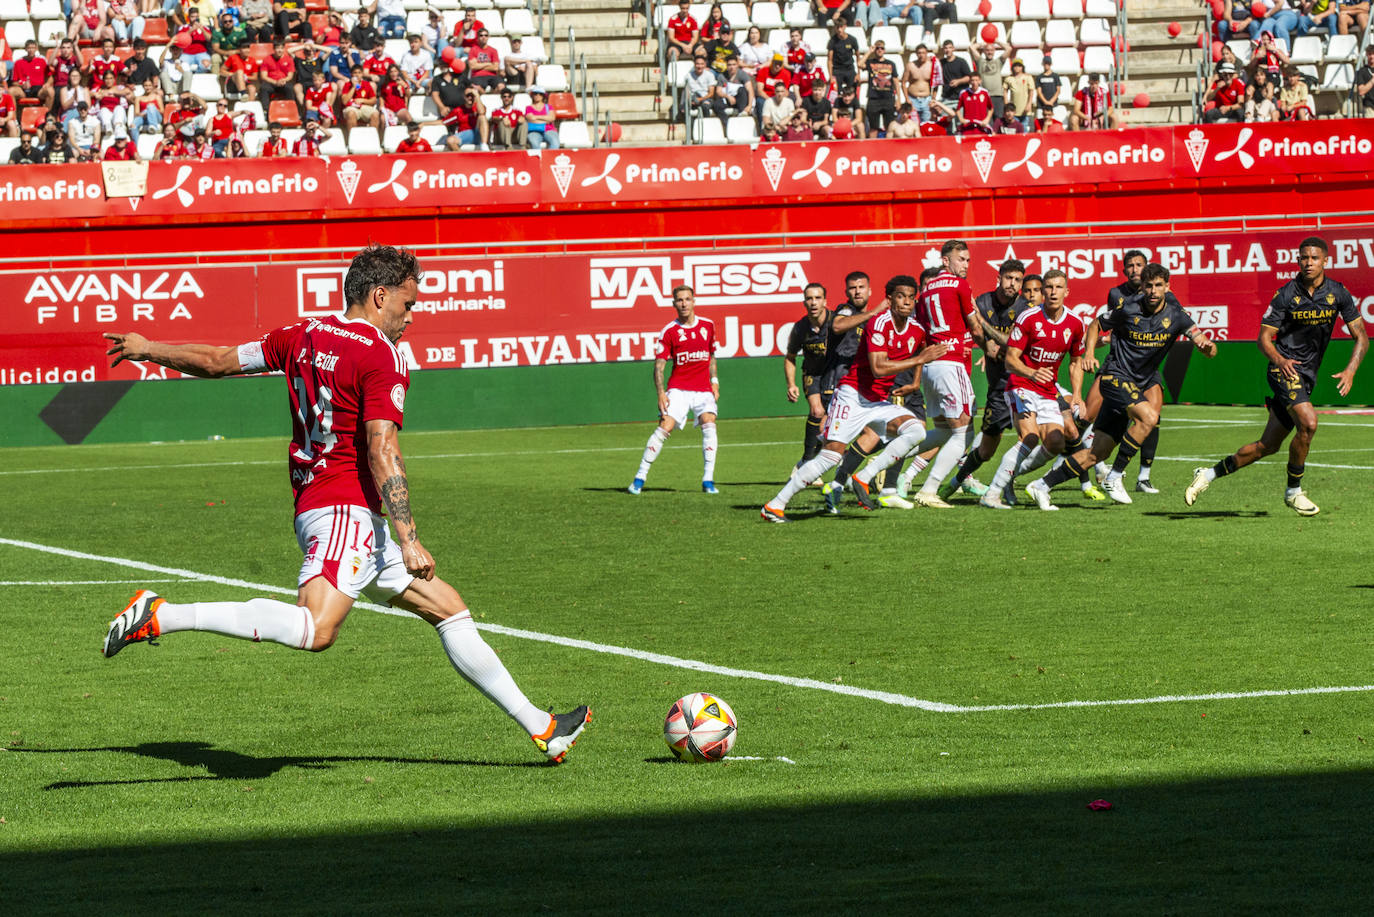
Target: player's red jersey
{"x":1044,"y":342}
{"x":945,"y":308}
{"x":341,"y":374}
{"x":883,"y":336}
{"x":688,"y":350}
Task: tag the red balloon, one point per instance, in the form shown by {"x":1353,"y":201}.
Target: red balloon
{"x":984,"y":8}
{"x":988,"y":33}
{"x":448,"y":54}
{"x":1216,"y":51}
{"x":1142,"y":100}
{"x":1258,"y":9}
{"x":181,"y":39}
{"x":458,"y":65}
{"x":1218,"y":10}
{"x":1202,"y":41}
{"x":1174,"y":29}
{"x":612,"y":132}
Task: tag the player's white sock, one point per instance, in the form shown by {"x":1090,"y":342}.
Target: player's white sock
{"x":1112,"y":475}
{"x":913,"y":468}
{"x":1037,"y":457}
{"x":479,"y":664}
{"x":1103,"y":470}
{"x":947,"y":459}
{"x":651,"y":450}
{"x":909,"y":435}
{"x":802,"y":477}
{"x":1144,"y":474}
{"x":1209,"y":475}
{"x":1014,"y":457}
{"x":255,"y":619}
{"x":708,"y":451}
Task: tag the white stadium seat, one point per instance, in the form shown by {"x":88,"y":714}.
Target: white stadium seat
{"x":737,"y":14}
{"x":740,"y":129}
{"x":1067,"y":9}
{"x":416,"y":20}
{"x":574,"y":135}
{"x":817,"y":39}
{"x":1306,"y":50}
{"x":147,"y":144}
{"x":1026,"y":34}
{"x":799,"y":15}
{"x":502,"y":45}
{"x":1034,"y":9}
{"x":677,"y":72}
{"x":914,"y":37}
{"x":520,"y":22}
{"x":1064,"y":61}
{"x":889,"y":35}
{"x":1098,"y":59}
{"x":1241,"y":48}
{"x":206,"y":85}
{"x":18,"y":32}
{"x":532,"y":46}
{"x":1342,"y":49}
{"x":45,"y":9}
{"x":335,"y":146}
{"x":1339,"y":78}
{"x":495,"y":23}
{"x":395,"y":47}
{"x":252,"y":142}
{"x":708,"y":130}
{"x":1095,"y":32}
{"x":956,"y":32}
{"x":766,"y":16}
{"x":1104,"y":8}
{"x":13,"y":9}
{"x":7,"y":146}
{"x":363,"y":142}
{"x":509,"y":4}
{"x":968,"y":10}
{"x":1002,"y":11}
{"x":1060,"y":33}
{"x":552,"y":77}
{"x":422,"y":108}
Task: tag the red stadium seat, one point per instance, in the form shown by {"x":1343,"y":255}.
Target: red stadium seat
{"x":88,"y":55}
{"x":31,"y":117}
{"x":260,"y":51}
{"x":317,"y":6}
{"x":564,"y":106}
{"x":155,"y":31}
{"x":318,"y":23}
{"x":284,"y":113}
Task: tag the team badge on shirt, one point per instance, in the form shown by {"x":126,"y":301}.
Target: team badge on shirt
{"x":398,"y":396}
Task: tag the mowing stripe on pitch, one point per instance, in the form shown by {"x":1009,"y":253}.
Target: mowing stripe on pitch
{"x":886,"y":697}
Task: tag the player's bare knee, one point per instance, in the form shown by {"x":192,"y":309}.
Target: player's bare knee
{"x":324,"y":639}
{"x":1055,"y":442}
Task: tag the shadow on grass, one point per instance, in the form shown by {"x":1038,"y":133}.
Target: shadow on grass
{"x":1209,"y":514}
{"x":1237,"y":845}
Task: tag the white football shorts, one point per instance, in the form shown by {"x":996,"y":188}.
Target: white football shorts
{"x":947,"y":389}
{"x":681,"y":402}
{"x":351,"y":547}
{"x":850,"y":413}
{"x":1046,"y":410}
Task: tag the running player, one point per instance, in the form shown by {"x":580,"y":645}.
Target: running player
{"x":1294,"y":334}
{"x":1039,"y":342}
{"x":861,"y":399}
{"x":859,"y":301}
{"x":347,"y":384}
{"x":689,"y":343}
{"x":1132,"y":265}
{"x":907,"y":392}
{"x":1143,"y":328}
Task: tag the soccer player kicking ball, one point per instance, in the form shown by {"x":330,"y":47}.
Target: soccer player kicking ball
{"x":861,"y":400}
{"x":347,"y":384}
{"x":1293,"y":335}
{"x":1040,"y":339}
{"x":689,"y":342}
{"x":1143,"y":328}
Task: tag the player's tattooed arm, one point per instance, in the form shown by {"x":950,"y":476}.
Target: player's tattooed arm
{"x":715,"y":379}
{"x":389,"y":474}
{"x":203,"y":360}
{"x":659,"y":366}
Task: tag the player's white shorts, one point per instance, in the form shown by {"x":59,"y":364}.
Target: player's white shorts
{"x":1046,"y":410}
{"x":352,"y":548}
{"x":850,"y":413}
{"x":680,"y":402}
{"x":947,"y":388}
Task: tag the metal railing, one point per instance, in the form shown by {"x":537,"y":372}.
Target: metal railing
{"x":1121,"y":59}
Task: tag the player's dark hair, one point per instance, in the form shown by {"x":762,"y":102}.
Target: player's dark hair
{"x":1052,"y":275}
{"x":1029,"y":277}
{"x":1314,"y":242}
{"x":1011,"y":266}
{"x":853,"y":276}
{"x":816,"y":286}
{"x":378,"y":266}
{"x":901,"y":280}
{"x":1154,"y":271}
{"x":930,"y":274}
{"x":677,"y":290}
{"x":1133,"y":253}
{"x":953,"y":245}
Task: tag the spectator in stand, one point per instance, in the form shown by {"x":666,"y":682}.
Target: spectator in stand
{"x":820,"y":114}
{"x":917,"y":82}
{"x":190,"y":114}
{"x":9,"y":115}
{"x":1225,"y":97}
{"x":390,"y":16}
{"x":84,"y":131}
{"x":31,"y":77}
{"x":365,"y":35}
{"x":292,"y":22}
{"x":1364,"y":84}
{"x":509,"y":131}
{"x":701,"y":91}
{"x":932,"y":12}
{"x":1260,"y":107}
{"x":238,"y":75}
{"x":777,"y":111}
{"x":433,"y":38}
{"x":376,"y":65}
{"x":110,"y":102}
{"x":331,"y":33}
{"x":806,"y":77}
{"x":74,"y":94}
{"x":447,"y":90}
{"x":236,"y":148}
{"x":796,"y":50}
{"x":276,"y":76}
{"x":465,"y":31}
{"x":682,"y":32}
{"x":721,"y":48}
{"x":520,"y":67}
{"x":484,"y":64}
{"x":540,"y":118}
{"x":275,"y":145}
{"x":1009,"y":123}
{"x":1269,"y":56}
{"x":358,"y":103}
{"x":835,"y":11}
{"x":845,"y":124}
{"x":798,"y":128}
{"x":884,"y":89}
{"x":121,"y":150}
{"x":312,"y":58}
{"x":127,"y":20}
{"x":414,"y":143}
{"x":65,"y":63}
{"x":468,"y":122}
{"x":319,"y":100}
{"x":1048,"y":87}
{"x":737,"y":89}
{"x":394,"y":94}
{"x":1239,"y":22}
{"x":226,"y":39}
{"x":906,"y":126}
{"x":1295,"y":100}
{"x":1092,"y":107}
{"x":711,"y":28}
{"x":418,"y":65}
{"x":882,"y":12}
{"x":341,"y":62}
{"x":149,"y":108}
{"x":139,"y":68}
{"x":176,"y":75}
{"x":58,"y":149}
{"x":1318,"y":14}
{"x":847,"y":98}
{"x":199,"y":146}
{"x":975,"y":108}
{"x":770,"y":134}
{"x":196,"y":45}
{"x":990,"y":58}
{"x":1354,"y":15}
{"x":776,"y":80}
{"x":1281,"y":21}
{"x":106,"y":61}
{"x":955,"y":76}
{"x":90,"y":21}
{"x":842,"y":56}
{"x":755,"y":54}
{"x":27,"y":153}
{"x":1019,"y":96}
{"x":310,"y":142}
{"x":256,"y":16}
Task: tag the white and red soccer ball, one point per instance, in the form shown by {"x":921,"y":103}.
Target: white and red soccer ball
{"x":700,"y":728}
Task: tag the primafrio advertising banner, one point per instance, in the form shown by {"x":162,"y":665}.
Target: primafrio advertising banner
{"x":475,"y":313}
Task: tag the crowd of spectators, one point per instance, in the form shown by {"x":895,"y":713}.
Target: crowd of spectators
{"x":1270,"y":88}
{"x":101,"y":88}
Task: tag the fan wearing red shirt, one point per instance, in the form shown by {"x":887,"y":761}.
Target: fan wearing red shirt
{"x":894,"y":342}
{"x":802,"y":81}
{"x":689,"y":344}
{"x":466,"y":30}
{"x":196,"y":48}
{"x":777,"y":78}
{"x":347,"y":384}
{"x":172,"y":146}
{"x":275,"y":145}
{"x":311,"y":140}
{"x":359,"y":101}
{"x":682,"y":32}
{"x":376,"y":65}
{"x":484,"y":64}
{"x":395,"y":95}
{"x":121,"y":150}
{"x":221,"y":127}
{"x":106,"y":60}
{"x":240,"y":74}
{"x":64,"y":63}
{"x":975,"y":107}
{"x":1092,"y":107}
{"x":9,"y":121}
{"x":319,"y":100}
{"x":30,"y":76}
{"x":414,"y":143}
{"x":1225,"y":97}
{"x":1040,"y":340}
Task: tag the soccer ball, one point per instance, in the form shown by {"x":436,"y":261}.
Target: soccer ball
{"x":700,"y":728}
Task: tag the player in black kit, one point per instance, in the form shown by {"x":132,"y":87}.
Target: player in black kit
{"x":1293,"y":335}
{"x":1143,"y":328}
{"x":813,"y":337}
{"x":1132,"y":264}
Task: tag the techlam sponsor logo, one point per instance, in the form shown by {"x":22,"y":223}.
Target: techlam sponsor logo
{"x":718,"y":279}
{"x":208,"y":184}
{"x":319,"y":291}
{"x":60,"y":190}
{"x":1215,"y":321}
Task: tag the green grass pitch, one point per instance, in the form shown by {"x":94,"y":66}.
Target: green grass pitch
{"x":207,"y":775}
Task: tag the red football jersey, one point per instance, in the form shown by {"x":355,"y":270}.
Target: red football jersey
{"x":378,"y":64}
{"x":688,"y":349}
{"x":340,"y":373}
{"x":945,"y":308}
{"x":684,"y":28}
{"x":1044,"y":343}
{"x":883,"y":336}
{"x":316,"y":99}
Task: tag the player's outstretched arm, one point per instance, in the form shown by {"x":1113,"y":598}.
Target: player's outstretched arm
{"x":1346,"y":377}
{"x":845,"y":323}
{"x":203,"y":360}
{"x":1202,"y":342}
{"x":389,"y":475}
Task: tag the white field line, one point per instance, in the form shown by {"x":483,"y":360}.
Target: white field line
{"x":87,"y":582}
{"x":886,"y":697}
